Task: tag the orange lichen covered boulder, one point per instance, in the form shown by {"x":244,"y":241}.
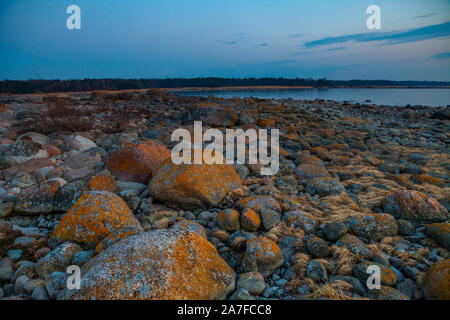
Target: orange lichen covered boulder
{"x":102,"y":183}
{"x":114,"y":237}
{"x":157,"y":265}
{"x":95,"y":216}
{"x":438,"y":281}
{"x":258,"y":203}
{"x":228,"y":219}
{"x":136,"y":161}
{"x":191,"y":186}
{"x":250,"y":220}
{"x":262,"y":255}
{"x":440,"y":232}
{"x":411,"y":204}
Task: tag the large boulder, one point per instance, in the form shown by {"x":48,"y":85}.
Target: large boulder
{"x":414,"y":205}
{"x":30,"y":145}
{"x":374,"y":226}
{"x":437,"y":285}
{"x":39,"y":198}
{"x":440,"y":232}
{"x":228,"y":219}
{"x":95,"y":216}
{"x":262,"y":255}
{"x":191,"y":186}
{"x":136,"y":161}
{"x":156,"y":265}
{"x":302,"y":220}
{"x":355,"y":245}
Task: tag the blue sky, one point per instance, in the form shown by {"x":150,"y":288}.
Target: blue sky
{"x":225,"y":38}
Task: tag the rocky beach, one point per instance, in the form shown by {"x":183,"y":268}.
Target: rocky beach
{"x":87,"y":180}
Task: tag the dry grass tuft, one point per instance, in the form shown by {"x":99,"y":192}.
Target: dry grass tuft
{"x":421,"y":253}
{"x":390,"y":250}
{"x":345,"y":270}
{"x":222,"y":235}
{"x":373,"y":248}
{"x":293,"y":285}
{"x":334,"y":291}
{"x":421,"y":279}
{"x":443,"y":253}
{"x":407,"y":258}
{"x":325,"y":263}
{"x":239,"y":244}
{"x":344,"y":260}
{"x":390,"y":240}
{"x":282,"y":230}
{"x":431,"y":244}
{"x":300,"y":264}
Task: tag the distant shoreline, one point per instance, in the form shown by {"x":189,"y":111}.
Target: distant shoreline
{"x":237,"y":88}
{"x":210,"y":83}
{"x":224,"y":88}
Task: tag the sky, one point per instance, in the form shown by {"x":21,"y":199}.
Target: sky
{"x":225,"y":38}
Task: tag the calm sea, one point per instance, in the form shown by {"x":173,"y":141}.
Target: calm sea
{"x":382,"y":96}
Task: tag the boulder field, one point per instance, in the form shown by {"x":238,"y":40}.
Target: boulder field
{"x":93,"y":186}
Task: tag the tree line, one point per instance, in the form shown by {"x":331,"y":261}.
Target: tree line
{"x":43,"y":86}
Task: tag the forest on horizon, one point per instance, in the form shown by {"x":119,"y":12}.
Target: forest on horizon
{"x":45,"y":86}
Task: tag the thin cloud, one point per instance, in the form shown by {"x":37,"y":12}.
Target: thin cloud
{"x":230,"y":42}
{"x":296,"y":35}
{"x":389,"y":38}
{"x":276,"y":62}
{"x":440,"y":56}
{"x":234,"y":39}
{"x":425,"y":16}
{"x":336,"y":49}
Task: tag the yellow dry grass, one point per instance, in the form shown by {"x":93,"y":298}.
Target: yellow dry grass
{"x":282,"y":230}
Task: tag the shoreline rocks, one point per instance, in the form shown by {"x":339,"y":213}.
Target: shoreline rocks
{"x":87,"y":180}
